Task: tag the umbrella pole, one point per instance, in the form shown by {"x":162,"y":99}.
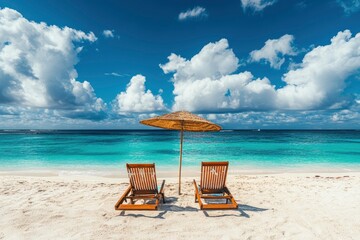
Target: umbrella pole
{"x":180,"y":160}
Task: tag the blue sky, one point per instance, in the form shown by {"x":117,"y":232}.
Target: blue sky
{"x":243,"y":64}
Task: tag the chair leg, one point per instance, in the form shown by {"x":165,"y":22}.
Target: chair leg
{"x":163,"y":197}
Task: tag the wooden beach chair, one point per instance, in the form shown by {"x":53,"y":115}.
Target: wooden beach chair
{"x":143,"y":186}
{"x":212,"y":187}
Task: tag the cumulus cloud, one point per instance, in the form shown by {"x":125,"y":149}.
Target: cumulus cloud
{"x":136,"y":99}
{"x":205,"y":82}
{"x":320,"y":119}
{"x":196,"y":12}
{"x":108,"y":33}
{"x":274,"y":51}
{"x":320,"y":79}
{"x":37,"y":66}
{"x":215,"y":60}
{"x":349,"y":6}
{"x":256,"y":5}
{"x":253,"y":119}
{"x":345,"y":115}
{"x":208,"y":82}
{"x":38,"y":118}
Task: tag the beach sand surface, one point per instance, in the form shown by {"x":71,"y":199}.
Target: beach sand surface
{"x":271,"y":206}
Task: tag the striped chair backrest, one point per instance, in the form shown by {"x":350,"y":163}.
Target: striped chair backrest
{"x":213,"y":175}
{"x":142,"y":177}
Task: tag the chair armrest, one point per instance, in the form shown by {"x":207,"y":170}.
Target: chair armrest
{"x":122,"y":198}
{"x":197,"y":194}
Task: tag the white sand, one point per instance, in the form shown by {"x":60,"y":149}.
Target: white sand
{"x":277,"y":206}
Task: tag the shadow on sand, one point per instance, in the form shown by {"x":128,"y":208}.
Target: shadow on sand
{"x":170,"y":206}
{"x":163,"y":209}
{"x":241,"y":211}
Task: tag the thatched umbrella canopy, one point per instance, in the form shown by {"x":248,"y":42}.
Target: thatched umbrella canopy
{"x":182,"y":121}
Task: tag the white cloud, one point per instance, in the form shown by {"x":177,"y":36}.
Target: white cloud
{"x":256,"y":119}
{"x":137,"y":99}
{"x":256,"y":5}
{"x":196,"y":12}
{"x":349,"y":6}
{"x":345,"y":115}
{"x":320,"y":80}
{"x":108,"y":33}
{"x":207,"y":81}
{"x":214,"y":60}
{"x":321,"y":119}
{"x":38,"y":118}
{"x":37,"y":66}
{"x":115,"y":74}
{"x":274,"y":51}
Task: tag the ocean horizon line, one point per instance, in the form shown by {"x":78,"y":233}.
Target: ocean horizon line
{"x":161,"y":129}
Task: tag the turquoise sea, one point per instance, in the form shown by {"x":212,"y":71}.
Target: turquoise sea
{"x":99,"y":149}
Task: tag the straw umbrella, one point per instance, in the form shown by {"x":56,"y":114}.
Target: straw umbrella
{"x":182,"y":121}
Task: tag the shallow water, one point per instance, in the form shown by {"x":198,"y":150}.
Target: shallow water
{"x":98,"y":148}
